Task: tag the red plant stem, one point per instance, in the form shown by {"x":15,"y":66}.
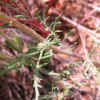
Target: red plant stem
{"x":36,"y":24}
{"x":32,"y":23}
{"x":2,"y":23}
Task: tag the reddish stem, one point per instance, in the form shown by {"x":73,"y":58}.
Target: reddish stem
{"x":36,"y":24}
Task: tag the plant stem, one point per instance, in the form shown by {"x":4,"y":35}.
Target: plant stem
{"x":20,"y":26}
{"x":26,"y":29}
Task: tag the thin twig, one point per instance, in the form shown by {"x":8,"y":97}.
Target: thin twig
{"x":87,"y":31}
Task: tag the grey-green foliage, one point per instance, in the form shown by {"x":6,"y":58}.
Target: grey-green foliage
{"x":37,"y":56}
{"x":33,"y":52}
